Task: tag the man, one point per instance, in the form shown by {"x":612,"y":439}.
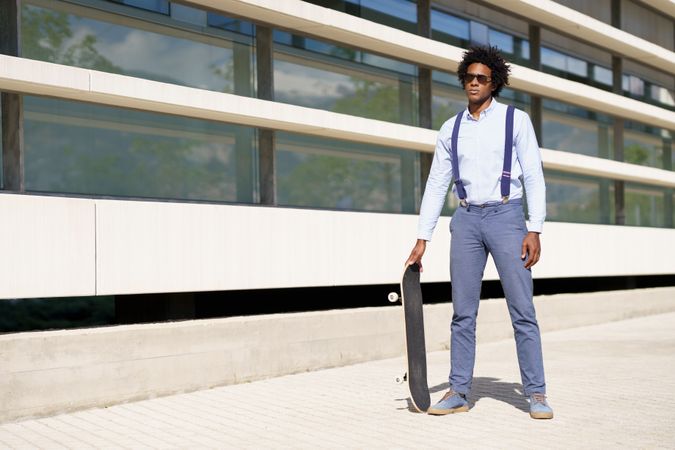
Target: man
{"x":489,"y":168}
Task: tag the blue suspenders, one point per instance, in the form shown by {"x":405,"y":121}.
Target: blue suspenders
{"x":506,"y":170}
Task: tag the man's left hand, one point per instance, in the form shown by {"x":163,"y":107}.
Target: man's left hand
{"x":531,"y":249}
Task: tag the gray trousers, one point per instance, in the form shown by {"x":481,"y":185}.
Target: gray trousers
{"x":497,"y":229}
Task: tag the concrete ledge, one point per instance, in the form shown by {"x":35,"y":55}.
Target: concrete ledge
{"x":45,"y":373}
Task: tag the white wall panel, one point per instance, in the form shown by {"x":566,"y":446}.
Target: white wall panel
{"x":47,"y":246}
{"x":165,"y":247}
{"x":574,"y":250}
{"x":142,"y":247}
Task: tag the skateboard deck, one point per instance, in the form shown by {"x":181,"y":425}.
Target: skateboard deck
{"x":416,"y":354}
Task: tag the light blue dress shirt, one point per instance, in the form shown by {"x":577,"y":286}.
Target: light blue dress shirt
{"x":481,"y":159}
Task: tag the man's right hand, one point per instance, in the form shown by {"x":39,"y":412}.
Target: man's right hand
{"x":417,"y":253}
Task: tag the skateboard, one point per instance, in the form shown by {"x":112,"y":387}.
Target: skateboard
{"x":416,"y":355}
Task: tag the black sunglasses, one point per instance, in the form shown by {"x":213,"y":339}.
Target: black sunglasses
{"x":482,"y":79}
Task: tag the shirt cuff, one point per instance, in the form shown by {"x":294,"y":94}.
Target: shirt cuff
{"x":424,"y":236}
{"x":536,"y":227}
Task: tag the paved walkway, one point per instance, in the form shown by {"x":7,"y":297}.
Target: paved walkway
{"x":611,"y":385}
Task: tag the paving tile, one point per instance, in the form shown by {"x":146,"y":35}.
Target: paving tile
{"x":611,"y":385}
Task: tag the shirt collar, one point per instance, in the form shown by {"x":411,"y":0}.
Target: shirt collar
{"x":485,"y":112}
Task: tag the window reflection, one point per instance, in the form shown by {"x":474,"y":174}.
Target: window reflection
{"x":449,"y":28}
{"x":602,"y":75}
{"x":646,"y":146}
{"x":88,"y":149}
{"x":334,"y":174}
{"x":160,"y":6}
{"x":142,"y":49}
{"x":644,"y":206}
{"x":573,"y":129}
{"x":400,"y":14}
{"x":360,"y":89}
{"x":573,"y":198}
{"x":502,"y":40}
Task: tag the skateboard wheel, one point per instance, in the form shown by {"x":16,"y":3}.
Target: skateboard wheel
{"x":399,"y":379}
{"x":392,"y":297}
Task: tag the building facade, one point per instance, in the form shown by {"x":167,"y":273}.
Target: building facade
{"x":165,"y":147}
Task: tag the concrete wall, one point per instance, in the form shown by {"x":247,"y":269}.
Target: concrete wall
{"x":44,"y":373}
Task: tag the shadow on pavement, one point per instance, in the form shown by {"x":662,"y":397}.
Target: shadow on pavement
{"x":509,"y":393}
{"x":484,"y":387}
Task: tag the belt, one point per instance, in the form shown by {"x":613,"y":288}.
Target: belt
{"x":516,"y":201}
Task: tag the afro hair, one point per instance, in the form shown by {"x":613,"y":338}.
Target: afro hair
{"x":491,"y":57}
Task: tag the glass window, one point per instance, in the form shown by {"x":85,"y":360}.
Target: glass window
{"x":553,"y":59}
{"x":177,"y":56}
{"x":633,"y":85}
{"x":577,"y":66}
{"x":316,"y":81}
{"x":574,"y":198}
{"x":401,"y":14}
{"x":643,"y":145}
{"x":502,"y":40}
{"x":518,"y":99}
{"x":160,"y":6}
{"x":644,"y":206}
{"x":636,"y":86}
{"x":327,"y":173}
{"x":525,"y":49}
{"x":228,"y":23}
{"x":564,"y":63}
{"x":602,"y":75}
{"x":81,"y":148}
{"x":316,"y":46}
{"x":323,"y":47}
{"x":403,"y":10}
{"x":188,"y":14}
{"x":573,"y":129}
{"x":479,"y":33}
{"x":662,"y":95}
{"x":448,"y":28}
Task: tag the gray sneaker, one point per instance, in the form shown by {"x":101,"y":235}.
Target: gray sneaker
{"x":452,"y":402}
{"x":539,"y":408}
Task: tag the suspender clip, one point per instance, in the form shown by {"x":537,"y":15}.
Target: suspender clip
{"x":505,"y":199}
